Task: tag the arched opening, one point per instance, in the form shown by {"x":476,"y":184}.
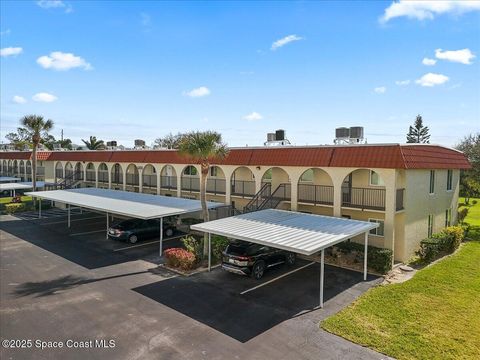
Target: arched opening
{"x":168,"y":178}
{"x":78,"y":171}
{"x":68,"y":170}
{"x":28,"y":170}
{"x":216,"y":183}
{"x":117,"y":174}
{"x":103,"y":173}
{"x":132,"y":175}
{"x":90,"y":172}
{"x":243,"y":182}
{"x":363,"y":189}
{"x":149,"y":176}
{"x":15,"y":167}
{"x":190,"y":179}
{"x":315,"y":187}
{"x":10,"y":168}
{"x":4,"y":167}
{"x":21,"y":168}
{"x":59,"y":170}
{"x":277,"y":178}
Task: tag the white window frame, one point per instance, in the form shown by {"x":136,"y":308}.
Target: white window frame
{"x":448,"y":217}
{"x":449,"y":180}
{"x":430,"y":225}
{"x":376,"y":229}
{"x":431,"y":182}
{"x":381,"y":182}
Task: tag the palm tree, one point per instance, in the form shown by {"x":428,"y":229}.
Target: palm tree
{"x":203,"y":148}
{"x":36,"y":129}
{"x":94,"y":144}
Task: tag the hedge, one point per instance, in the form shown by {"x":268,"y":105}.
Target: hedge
{"x":445,"y":242}
{"x":379,"y":259}
{"x":179,"y":258}
{"x":14,"y":208}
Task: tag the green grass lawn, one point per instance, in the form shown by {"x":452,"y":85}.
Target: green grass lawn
{"x":435,"y":315}
{"x":6,"y":200}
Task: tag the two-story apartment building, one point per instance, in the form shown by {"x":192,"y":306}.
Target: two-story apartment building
{"x":411,"y":190}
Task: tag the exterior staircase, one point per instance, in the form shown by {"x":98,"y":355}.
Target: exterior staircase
{"x":266,"y":199}
{"x":71,"y":181}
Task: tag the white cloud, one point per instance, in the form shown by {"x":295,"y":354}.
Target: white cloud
{"x":58,"y":60}
{"x":429,"y":62}
{"x":284,"y":41}
{"x":464,"y":56}
{"x":432,"y":79}
{"x":6,"y":32}
{"x":19,"y":99}
{"x":422,"y":10}
{"x":55,"y":4}
{"x":380,"y":90}
{"x":44,"y":97}
{"x":254,"y":116}
{"x":402,"y":82}
{"x":198,"y":92}
{"x":10,"y":51}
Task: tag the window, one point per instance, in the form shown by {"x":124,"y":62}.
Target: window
{"x":449,"y":179}
{"x":448,"y":217}
{"x":190,"y":170}
{"x":307,"y":176}
{"x":432,"y":181}
{"x":213,"y":171}
{"x":379,"y":231}
{"x":430,"y":226}
{"x":268,"y":176}
{"x":375,"y":179}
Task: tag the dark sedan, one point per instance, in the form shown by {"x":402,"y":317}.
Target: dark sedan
{"x":133,"y":230}
{"x":246,"y":258}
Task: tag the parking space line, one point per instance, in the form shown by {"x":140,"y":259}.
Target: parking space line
{"x":277,"y":278}
{"x":88,"y":232}
{"x":151,"y":242}
{"x":61,"y":222}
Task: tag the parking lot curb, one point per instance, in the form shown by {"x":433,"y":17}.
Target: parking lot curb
{"x":189,"y":273}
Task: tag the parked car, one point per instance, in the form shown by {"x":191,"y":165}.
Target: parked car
{"x":133,"y":230}
{"x":247,"y":258}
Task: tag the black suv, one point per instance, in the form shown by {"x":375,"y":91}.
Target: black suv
{"x":246,"y":258}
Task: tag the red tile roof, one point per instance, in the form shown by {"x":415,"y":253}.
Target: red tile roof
{"x":392,"y":156}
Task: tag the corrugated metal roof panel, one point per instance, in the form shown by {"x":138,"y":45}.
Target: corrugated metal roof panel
{"x":288,"y":230}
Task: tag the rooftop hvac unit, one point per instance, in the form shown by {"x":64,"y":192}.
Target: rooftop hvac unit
{"x":112,"y":143}
{"x":139,"y":143}
{"x":280,"y":135}
{"x":356,"y":132}
{"x":271,"y":137}
{"x":342,"y":133}
{"x":57,"y":147}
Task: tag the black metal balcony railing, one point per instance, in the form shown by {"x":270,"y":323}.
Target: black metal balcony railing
{"x":315,"y":194}
{"x":149,"y":180}
{"x":190,"y":183}
{"x":69,"y":173}
{"x":59,"y":173}
{"x":132,"y":179}
{"x":243,"y":188}
{"x":103,"y":176}
{"x":399,"y":199}
{"x":216,"y":186}
{"x":168,"y":182}
{"x":117,"y":178}
{"x":90,"y":175}
{"x":41,"y":171}
{"x":363,"y":198}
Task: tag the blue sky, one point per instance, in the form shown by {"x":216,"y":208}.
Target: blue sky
{"x":144,"y":69}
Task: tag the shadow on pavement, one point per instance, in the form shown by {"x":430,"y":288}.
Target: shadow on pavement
{"x":214,"y":298}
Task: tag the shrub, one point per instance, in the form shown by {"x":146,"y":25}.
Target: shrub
{"x":179,"y":258}
{"x":474,"y":202}
{"x":445,"y":242}
{"x":378,"y":259}
{"x":462,"y":214}
{"x":14,"y":208}
{"x":219,"y":244}
{"x":452,"y":238}
{"x":193,"y":246}
{"x":429,"y":249}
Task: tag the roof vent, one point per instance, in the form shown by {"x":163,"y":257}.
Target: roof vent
{"x":349,"y":136}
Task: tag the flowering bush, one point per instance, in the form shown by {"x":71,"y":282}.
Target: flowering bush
{"x":179,"y":258}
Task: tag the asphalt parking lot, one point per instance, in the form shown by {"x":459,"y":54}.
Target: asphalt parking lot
{"x":61,"y":284}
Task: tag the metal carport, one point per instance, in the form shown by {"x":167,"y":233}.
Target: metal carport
{"x":297,"y":232}
{"x":12,"y":187}
{"x":124,"y":203}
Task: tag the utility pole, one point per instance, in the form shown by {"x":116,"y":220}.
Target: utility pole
{"x":61,"y":136}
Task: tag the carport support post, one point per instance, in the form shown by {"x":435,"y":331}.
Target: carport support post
{"x":108,"y":225}
{"x":40,"y":209}
{"x":322,"y":262}
{"x":161,"y":237}
{"x":209,"y":251}
{"x":365,"y":258}
{"x":68,"y":213}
